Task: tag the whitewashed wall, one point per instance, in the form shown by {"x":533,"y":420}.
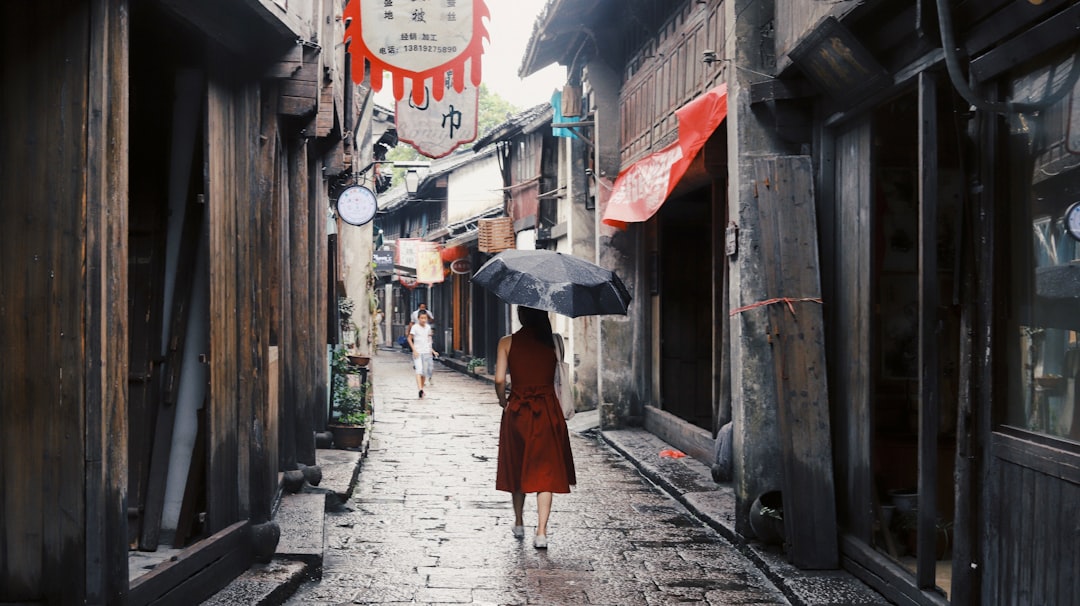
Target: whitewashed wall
{"x":474,"y":188}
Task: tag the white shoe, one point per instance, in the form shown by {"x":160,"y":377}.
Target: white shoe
{"x":518,"y":531}
{"x":540,"y":541}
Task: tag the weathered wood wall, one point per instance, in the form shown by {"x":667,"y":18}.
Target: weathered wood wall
{"x":848,"y":258}
{"x":63,"y":251}
{"x":666,"y":74}
{"x":242,"y":126}
{"x":1033,"y":555}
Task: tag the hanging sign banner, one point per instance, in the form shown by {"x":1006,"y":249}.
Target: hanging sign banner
{"x":429,"y":267}
{"x":416,"y":40}
{"x":436,"y":128}
{"x":407,"y":249}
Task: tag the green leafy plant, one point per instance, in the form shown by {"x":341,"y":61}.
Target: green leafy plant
{"x":474,"y":363}
{"x":350,"y":403}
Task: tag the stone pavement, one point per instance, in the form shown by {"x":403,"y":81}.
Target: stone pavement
{"x":425,"y":524}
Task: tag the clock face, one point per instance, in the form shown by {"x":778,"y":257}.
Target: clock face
{"x":357,"y":205}
{"x":1072,"y":220}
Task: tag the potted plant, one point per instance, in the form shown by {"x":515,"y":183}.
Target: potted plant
{"x":350,"y":404}
{"x":348,"y":427}
{"x":477,"y":366}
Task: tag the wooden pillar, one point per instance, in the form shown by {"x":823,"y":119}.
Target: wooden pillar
{"x":299,"y":307}
{"x":223,"y":497}
{"x":288,"y":361}
{"x":317,"y":279}
{"x":106,"y":357}
{"x":264,"y":443}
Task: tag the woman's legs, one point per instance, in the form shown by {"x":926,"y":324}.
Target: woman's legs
{"x":543,"y":510}
{"x":519,"y":507}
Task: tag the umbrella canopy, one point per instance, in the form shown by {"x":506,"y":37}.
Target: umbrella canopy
{"x":552,"y":281}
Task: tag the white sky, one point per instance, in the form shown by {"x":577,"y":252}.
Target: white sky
{"x":509,"y":31}
{"x":510,"y":28}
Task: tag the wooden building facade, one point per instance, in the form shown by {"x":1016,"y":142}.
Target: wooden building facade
{"x":882,"y":264}
{"x":163,"y":281}
{"x":945,"y":171}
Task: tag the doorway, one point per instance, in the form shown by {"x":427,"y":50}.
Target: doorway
{"x":899,"y":436}
{"x":684,"y":283}
{"x":894,"y":270}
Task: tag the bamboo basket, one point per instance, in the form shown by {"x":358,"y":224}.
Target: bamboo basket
{"x":496,"y":235}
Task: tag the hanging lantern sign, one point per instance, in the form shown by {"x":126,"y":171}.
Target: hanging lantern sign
{"x":418,"y":41}
{"x":436,"y":128}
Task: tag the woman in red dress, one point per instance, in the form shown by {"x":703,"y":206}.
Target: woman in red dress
{"x":534,"y":445}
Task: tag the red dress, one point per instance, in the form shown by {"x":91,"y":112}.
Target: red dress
{"x":534,"y":445}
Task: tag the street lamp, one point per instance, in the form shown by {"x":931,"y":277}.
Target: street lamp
{"x":412,"y":181}
{"x":412,"y":174}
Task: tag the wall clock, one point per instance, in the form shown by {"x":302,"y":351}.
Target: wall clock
{"x":1072,"y":220}
{"x":357,"y":205}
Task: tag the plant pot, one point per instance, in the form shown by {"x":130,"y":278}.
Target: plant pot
{"x":480,"y":370}
{"x":906,"y":500}
{"x":359,"y":360}
{"x":347,"y":436}
{"x":769,"y":529}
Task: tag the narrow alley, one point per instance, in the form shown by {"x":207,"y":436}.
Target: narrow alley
{"x":425,"y":524}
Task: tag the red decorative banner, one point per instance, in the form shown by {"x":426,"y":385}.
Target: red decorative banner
{"x":642,"y":188}
{"x":416,"y":40}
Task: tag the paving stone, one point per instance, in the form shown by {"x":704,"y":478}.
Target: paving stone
{"x":425,"y":524}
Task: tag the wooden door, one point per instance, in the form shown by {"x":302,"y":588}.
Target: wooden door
{"x":686,"y":309}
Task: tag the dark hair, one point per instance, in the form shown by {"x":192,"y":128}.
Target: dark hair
{"x":537,"y":321}
{"x":421,"y":313}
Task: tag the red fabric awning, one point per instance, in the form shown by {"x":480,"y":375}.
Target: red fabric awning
{"x":642,"y":188}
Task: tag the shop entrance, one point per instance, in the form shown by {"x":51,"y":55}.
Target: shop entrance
{"x":899,"y":200}
{"x":898,"y":403}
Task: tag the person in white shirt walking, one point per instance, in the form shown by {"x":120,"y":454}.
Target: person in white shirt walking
{"x":431,"y":324}
{"x":422,"y":350}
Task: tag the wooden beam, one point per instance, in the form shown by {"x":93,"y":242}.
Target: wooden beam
{"x":324,"y":123}
{"x":288,"y":64}
{"x":772,"y":90}
{"x":1061,"y":28}
{"x":198,"y":572}
{"x":299,"y":88}
{"x":296,"y":106}
{"x":1011,"y":18}
{"x":929,"y":360}
{"x":788,"y":232}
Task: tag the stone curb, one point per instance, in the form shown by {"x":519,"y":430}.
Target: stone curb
{"x":302,"y":519}
{"x":690,"y":482}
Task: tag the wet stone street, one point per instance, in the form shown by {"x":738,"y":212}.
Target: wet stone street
{"x":425,"y":524}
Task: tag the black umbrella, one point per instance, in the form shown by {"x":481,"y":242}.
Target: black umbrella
{"x":552,"y":281}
